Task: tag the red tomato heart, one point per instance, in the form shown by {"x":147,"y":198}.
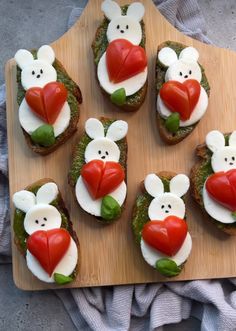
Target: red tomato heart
{"x":49,"y":247}
{"x":48,"y":101}
{"x":124,"y":60}
{"x":181,"y":97}
{"x":166,"y":236}
{"x":221,"y":186}
{"x":102,"y":178}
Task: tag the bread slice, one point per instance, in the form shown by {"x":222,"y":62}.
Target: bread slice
{"x":78,"y":159}
{"x":168,"y":137}
{"x":20,"y":235}
{"x":198,"y":175}
{"x":99,"y":46}
{"x":140,"y":210}
{"x":74,"y":99}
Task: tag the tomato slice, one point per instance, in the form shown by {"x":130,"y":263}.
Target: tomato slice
{"x":124,"y":60}
{"x":49,"y":247}
{"x":102,"y":178}
{"x":166,"y":236}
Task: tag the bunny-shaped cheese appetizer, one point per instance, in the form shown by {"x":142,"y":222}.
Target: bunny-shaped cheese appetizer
{"x":182,"y":91}
{"x":159,"y":222}
{"x":51,"y":250}
{"x":100,"y":186}
{"x":45,"y":115}
{"x":122,"y":64}
{"x":218,"y":186}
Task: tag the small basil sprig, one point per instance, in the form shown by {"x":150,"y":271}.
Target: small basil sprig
{"x":110,"y":208}
{"x":167,"y":267}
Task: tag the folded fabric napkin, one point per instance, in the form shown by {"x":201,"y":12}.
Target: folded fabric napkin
{"x":137,"y":307}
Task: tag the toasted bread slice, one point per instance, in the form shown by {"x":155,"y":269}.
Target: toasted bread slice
{"x":99,"y":46}
{"x":183,"y":132}
{"x":78,"y":160}
{"x":20,"y":235}
{"x":140,"y":211}
{"x":198,"y":175}
{"x":74,"y":99}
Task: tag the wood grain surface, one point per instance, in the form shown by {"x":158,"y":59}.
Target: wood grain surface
{"x":109,"y":253}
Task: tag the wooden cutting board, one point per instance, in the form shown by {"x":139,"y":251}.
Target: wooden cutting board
{"x":109,"y":254}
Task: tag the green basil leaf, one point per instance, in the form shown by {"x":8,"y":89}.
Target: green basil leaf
{"x":167,"y":267}
{"x":61,"y":279}
{"x":172,"y":122}
{"x":110,"y":208}
{"x":44,"y":135}
{"x":118,"y":97}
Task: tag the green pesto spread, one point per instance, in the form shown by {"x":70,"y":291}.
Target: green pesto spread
{"x":62,"y":77}
{"x":18,"y":224}
{"x":78,"y":160}
{"x":204,"y":171}
{"x":160,"y":80}
{"x":100,"y":44}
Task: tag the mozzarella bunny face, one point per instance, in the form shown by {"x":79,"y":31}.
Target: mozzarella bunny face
{"x":182,"y":68}
{"x":166,"y":204}
{"x":101,"y":147}
{"x":40,"y":215}
{"x":36,"y":73}
{"x":224,"y":157}
{"x":124,"y":26}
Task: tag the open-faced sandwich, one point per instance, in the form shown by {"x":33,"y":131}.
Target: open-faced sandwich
{"x":182,"y":91}
{"x":43,"y":233}
{"x":98,"y":171}
{"x":159,"y":222}
{"x":119,"y":54}
{"x":48,"y":100}
{"x":213,"y":179}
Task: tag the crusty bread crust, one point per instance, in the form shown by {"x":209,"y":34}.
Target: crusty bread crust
{"x":64,"y":210}
{"x":62,"y":138}
{"x":201,"y":152}
{"x":71,"y":183}
{"x":168,"y":137}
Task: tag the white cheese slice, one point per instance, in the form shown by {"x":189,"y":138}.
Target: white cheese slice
{"x":165,"y":205}
{"x":94,"y":128}
{"x":152,"y":255}
{"x":196,"y":115}
{"x":103,"y":149}
{"x":24,"y":200}
{"x":153,"y":184}
{"x":167,"y":56}
{"x":91,"y":206}
{"x":47,"y":193}
{"x":215,"y":210}
{"x":131,"y":85}
{"x":30,"y":122}
{"x":117,"y":130}
{"x":117,"y":29}
{"x":224,"y":159}
{"x":182,"y":70}
{"x":65,"y":267}
{"x":42,"y":217}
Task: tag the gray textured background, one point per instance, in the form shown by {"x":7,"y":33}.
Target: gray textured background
{"x":31,"y":23}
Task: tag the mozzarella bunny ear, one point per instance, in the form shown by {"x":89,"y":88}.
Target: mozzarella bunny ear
{"x":167,"y":56}
{"x":46,"y":53}
{"x":232,"y":139}
{"x":24,"y":200}
{"x":136,"y":10}
{"x":47,"y":193}
{"x":153,"y":185}
{"x":179,"y":185}
{"x":94,"y":128}
{"x":111,"y":9}
{"x":215,"y":140}
{"x":189,"y":54}
{"x":23,"y":58}
{"x":117,"y":130}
